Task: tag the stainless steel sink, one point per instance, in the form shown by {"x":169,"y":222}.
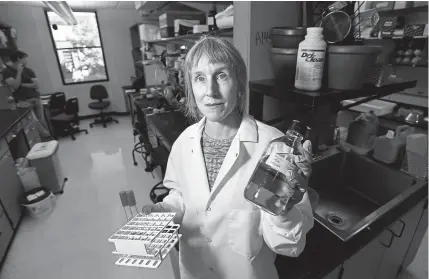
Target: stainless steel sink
{"x":354,"y":191}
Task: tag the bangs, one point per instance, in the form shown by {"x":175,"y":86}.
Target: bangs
{"x":216,"y":52}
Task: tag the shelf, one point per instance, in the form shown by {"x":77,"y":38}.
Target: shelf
{"x":404,"y":11}
{"x":272,"y":89}
{"x":180,"y":40}
{"x":396,"y":38}
{"x":158,"y":7}
{"x":413,"y":66}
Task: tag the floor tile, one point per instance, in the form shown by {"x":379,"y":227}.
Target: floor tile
{"x":71,"y":242}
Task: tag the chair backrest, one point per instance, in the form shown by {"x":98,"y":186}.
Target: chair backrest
{"x":57,"y":101}
{"x":144,"y":136}
{"x":98,"y":92}
{"x":72,"y":106}
{"x":140,"y":114}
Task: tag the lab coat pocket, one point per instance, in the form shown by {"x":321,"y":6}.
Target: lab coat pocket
{"x":243,"y":232}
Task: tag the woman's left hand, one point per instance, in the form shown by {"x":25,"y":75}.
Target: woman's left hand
{"x":299,"y":174}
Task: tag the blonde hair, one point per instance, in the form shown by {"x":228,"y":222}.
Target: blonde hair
{"x":217,"y":50}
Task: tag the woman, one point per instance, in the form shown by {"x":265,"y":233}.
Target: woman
{"x":223,"y":235}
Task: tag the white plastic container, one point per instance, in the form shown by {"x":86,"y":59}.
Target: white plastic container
{"x":38,"y":202}
{"x":310,"y":60}
{"x":43,"y":156}
{"x":149,"y":32}
{"x":379,"y":107}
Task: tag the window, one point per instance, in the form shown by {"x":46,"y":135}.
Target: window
{"x":78,"y":48}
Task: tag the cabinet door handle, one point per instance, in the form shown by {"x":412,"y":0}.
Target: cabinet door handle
{"x":390,"y":241}
{"x":402,"y":230}
{"x":340,"y":275}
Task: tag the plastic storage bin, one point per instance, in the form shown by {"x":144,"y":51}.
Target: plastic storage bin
{"x":283,"y":61}
{"x":379,"y":107}
{"x":44,"y":158}
{"x":38,"y":202}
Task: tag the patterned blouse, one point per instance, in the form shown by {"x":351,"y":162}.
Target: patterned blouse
{"x":214,"y":151}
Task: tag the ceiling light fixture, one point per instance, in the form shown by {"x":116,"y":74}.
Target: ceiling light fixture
{"x":63,"y":10}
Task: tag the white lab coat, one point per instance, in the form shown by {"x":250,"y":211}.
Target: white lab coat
{"x":225,"y":236}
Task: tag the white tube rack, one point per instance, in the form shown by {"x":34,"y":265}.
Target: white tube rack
{"x":145,"y":240}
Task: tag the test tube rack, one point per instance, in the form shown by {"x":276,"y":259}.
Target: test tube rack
{"x":145,"y":240}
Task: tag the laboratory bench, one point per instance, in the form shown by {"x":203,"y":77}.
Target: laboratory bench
{"x":379,"y":251}
{"x":17,"y":135}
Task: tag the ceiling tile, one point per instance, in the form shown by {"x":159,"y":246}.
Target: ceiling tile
{"x":126,"y":5}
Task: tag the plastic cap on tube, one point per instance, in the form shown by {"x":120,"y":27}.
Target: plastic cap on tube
{"x":124,"y":199}
{"x":131,"y":198}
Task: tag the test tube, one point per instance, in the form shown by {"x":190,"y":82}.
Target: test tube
{"x":124,"y":201}
{"x":132,"y":201}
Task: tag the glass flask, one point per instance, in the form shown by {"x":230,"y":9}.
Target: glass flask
{"x":270,"y":186}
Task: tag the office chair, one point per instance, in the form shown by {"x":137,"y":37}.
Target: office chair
{"x":159,"y":157}
{"x":98,"y":92}
{"x":57,"y":103}
{"x":67,"y":123}
{"x":139,"y":147}
{"x":158,"y":154}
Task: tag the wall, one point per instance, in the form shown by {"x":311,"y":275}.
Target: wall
{"x":264,"y":16}
{"x":34,"y":38}
{"x":252,"y":24}
{"x":242,"y":30}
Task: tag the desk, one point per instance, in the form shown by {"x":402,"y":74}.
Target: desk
{"x":167,"y":126}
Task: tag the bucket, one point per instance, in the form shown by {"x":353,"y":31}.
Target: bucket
{"x":287,"y":37}
{"x":348,"y":66}
{"x":283,"y":62}
{"x":38,"y":202}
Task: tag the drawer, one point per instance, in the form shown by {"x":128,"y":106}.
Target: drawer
{"x":13,"y":132}
{"x":3,"y":146}
{"x":32,"y":135}
{"x":6,"y":233}
{"x":27,"y":120}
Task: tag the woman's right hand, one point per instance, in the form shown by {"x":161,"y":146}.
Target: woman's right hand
{"x":152,"y":208}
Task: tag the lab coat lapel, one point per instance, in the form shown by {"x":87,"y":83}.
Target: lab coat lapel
{"x":198,"y":168}
{"x":247,"y":132}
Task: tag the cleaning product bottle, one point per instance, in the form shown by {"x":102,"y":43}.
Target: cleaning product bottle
{"x":310,"y":60}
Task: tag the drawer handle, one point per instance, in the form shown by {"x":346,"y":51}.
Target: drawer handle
{"x":402,"y":230}
{"x":340,"y":275}
{"x":390,"y":241}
